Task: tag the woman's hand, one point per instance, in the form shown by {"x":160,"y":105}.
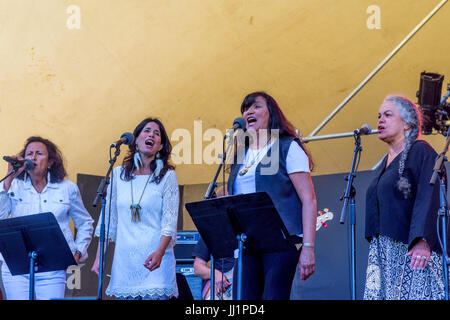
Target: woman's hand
{"x":307,"y":263}
{"x":77,"y":257}
{"x":218,"y":282}
{"x":420,"y":255}
{"x":305,"y":190}
{"x":96,"y":267}
{"x":154,"y":260}
{"x":219,"y":192}
{"x":8,"y":181}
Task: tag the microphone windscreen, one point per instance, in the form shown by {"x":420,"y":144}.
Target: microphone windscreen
{"x":129,"y":138}
{"x":239,"y":123}
{"x":366,"y":129}
{"x":29,"y":165}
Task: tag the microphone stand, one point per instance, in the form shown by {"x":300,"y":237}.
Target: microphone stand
{"x":443,"y":210}
{"x":210,"y":193}
{"x":349,"y":196}
{"x":101,"y":193}
{"x":13,"y":171}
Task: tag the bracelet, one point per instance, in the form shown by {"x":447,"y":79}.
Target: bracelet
{"x":308,"y":245}
{"x":79,"y":253}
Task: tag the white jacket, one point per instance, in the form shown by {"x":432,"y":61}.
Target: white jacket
{"x":63,"y":199}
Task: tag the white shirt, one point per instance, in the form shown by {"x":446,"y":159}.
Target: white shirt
{"x":63,"y":199}
{"x":296,"y":161}
{"x":135,"y":241}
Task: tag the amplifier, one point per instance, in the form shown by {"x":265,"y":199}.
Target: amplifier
{"x":186,"y":240}
{"x":194,"y":283}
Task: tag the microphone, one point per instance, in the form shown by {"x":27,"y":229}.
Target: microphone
{"x":238,"y":123}
{"x":126,"y":138}
{"x":29,"y":165}
{"x":365,"y":129}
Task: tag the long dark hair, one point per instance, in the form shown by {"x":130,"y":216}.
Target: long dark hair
{"x":277,"y":119}
{"x":128,"y":162}
{"x":57,"y":170}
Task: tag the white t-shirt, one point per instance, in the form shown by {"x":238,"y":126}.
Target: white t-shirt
{"x":296,"y":161}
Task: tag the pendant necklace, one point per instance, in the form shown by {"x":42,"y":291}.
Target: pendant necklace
{"x":136,"y":208}
{"x":255,"y":159}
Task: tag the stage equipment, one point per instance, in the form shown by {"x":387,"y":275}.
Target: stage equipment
{"x":17,"y":164}
{"x":436,"y":115}
{"x":126,"y":138}
{"x":349,"y":197}
{"x":246,"y":218}
{"x":442,"y":222}
{"x":186,"y":241}
{"x":435,"y":110}
{"x":189,"y":285}
{"x":238,"y":124}
{"x":32,"y":244}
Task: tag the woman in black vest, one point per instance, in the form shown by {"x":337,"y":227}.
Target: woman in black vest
{"x":401,"y":211}
{"x":273,"y":160}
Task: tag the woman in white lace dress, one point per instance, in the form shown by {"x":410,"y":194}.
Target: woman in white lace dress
{"x":143,"y":219}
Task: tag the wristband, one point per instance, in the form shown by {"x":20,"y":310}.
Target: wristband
{"x":308,"y":245}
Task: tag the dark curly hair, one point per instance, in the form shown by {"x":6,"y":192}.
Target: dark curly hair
{"x":128,"y":161}
{"x":57,"y":170}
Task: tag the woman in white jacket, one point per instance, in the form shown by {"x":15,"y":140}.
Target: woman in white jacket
{"x":44,"y":189}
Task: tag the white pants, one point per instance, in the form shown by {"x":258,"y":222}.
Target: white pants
{"x":48,"y":285}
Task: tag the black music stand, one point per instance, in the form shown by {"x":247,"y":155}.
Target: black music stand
{"x":228,"y":222}
{"x":32,"y":244}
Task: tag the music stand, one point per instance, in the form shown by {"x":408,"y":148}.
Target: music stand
{"x":33,"y":244}
{"x":228,"y":222}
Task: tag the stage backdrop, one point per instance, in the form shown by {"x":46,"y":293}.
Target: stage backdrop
{"x":331,"y":279}
{"x":82,"y":72}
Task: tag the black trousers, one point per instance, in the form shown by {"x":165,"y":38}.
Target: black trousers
{"x":268,"y":276}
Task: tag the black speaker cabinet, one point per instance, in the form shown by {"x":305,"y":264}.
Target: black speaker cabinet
{"x":185,"y":274}
{"x":186,"y":240}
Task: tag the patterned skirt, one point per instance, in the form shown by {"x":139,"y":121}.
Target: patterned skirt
{"x":389,"y":275}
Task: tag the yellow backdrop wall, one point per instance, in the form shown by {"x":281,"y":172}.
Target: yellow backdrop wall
{"x":82,"y":72}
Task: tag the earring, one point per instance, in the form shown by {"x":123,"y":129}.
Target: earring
{"x":159,"y":164}
{"x":137,"y":160}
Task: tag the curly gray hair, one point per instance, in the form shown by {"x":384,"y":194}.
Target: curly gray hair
{"x":412,"y":117}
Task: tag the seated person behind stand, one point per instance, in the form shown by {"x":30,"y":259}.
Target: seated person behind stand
{"x":223,"y":275}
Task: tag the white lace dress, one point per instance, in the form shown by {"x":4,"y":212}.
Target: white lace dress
{"x":135,"y":241}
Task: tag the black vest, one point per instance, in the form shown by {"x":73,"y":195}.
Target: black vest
{"x":278,"y":186}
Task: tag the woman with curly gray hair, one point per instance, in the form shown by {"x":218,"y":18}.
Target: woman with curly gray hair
{"x":401,"y":211}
